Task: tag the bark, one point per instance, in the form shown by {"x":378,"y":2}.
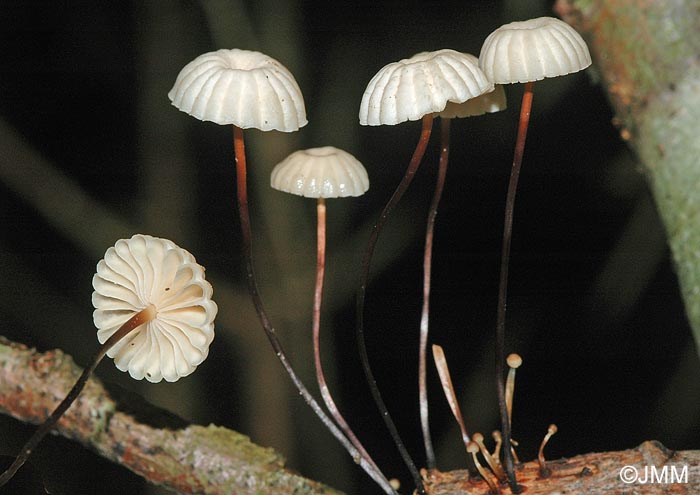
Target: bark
{"x":150,"y":442}
{"x":646,"y":53}
{"x":590,"y":474}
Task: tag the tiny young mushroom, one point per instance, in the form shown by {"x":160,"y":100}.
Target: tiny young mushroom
{"x":411,"y":89}
{"x":524,"y":52}
{"x":154,"y":315}
{"x":321,"y":173}
{"x":514,"y":362}
{"x":249,"y":89}
{"x":544,"y":470}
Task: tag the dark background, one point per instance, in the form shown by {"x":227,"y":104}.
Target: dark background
{"x":593,"y":305}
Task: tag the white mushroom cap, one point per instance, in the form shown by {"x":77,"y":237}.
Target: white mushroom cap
{"x":325,"y":172}
{"x":422,"y":84}
{"x":495,"y":101}
{"x":240,"y":87}
{"x":532,"y":50}
{"x":145,"y":270}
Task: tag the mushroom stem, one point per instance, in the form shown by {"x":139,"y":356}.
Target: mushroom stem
{"x":497,"y":449}
{"x":244,"y":215}
{"x":495,"y":466}
{"x":316,"y":325}
{"x":425,"y":314}
{"x":473,"y":449}
{"x":544,"y":470}
{"x":143,"y":316}
{"x":514,"y":361}
{"x":427,"y":122}
{"x":503,"y":282}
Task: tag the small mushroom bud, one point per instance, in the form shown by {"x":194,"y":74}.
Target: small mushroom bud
{"x":544,"y":470}
{"x":514,"y":362}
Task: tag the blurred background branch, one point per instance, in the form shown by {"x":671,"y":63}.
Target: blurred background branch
{"x":647,"y":55}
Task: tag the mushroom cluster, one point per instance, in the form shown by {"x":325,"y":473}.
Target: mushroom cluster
{"x":153,"y":307}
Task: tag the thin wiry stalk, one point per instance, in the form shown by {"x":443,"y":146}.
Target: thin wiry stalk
{"x":427,"y":123}
{"x":525,"y":107}
{"x":316,"y":325}
{"x":247,"y":237}
{"x":143,"y":316}
{"x":425,"y":313}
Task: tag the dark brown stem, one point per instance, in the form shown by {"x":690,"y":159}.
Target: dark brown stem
{"x":247,"y":237}
{"x":427,"y":124}
{"x":425,"y":313}
{"x":143,"y":316}
{"x":525,"y":107}
{"x":316,"y":325}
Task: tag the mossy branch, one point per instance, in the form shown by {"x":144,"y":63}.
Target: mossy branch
{"x":648,"y":56}
{"x":162,"y":449}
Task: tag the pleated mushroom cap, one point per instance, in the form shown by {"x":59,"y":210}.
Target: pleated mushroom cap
{"x":492,"y":102}
{"x":422,"y":84}
{"x":532,"y":50}
{"x":325,"y":172}
{"x":145,"y":270}
{"x":240,"y":87}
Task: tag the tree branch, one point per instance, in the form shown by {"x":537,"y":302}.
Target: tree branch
{"x":161,"y":448}
{"x":646,"y":53}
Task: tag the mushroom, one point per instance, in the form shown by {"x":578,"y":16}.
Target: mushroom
{"x":154,"y":315}
{"x":249,"y":89}
{"x":322,"y":173}
{"x":411,"y":89}
{"x":524,"y":52}
{"x":544,"y":470}
{"x":514,"y":362}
